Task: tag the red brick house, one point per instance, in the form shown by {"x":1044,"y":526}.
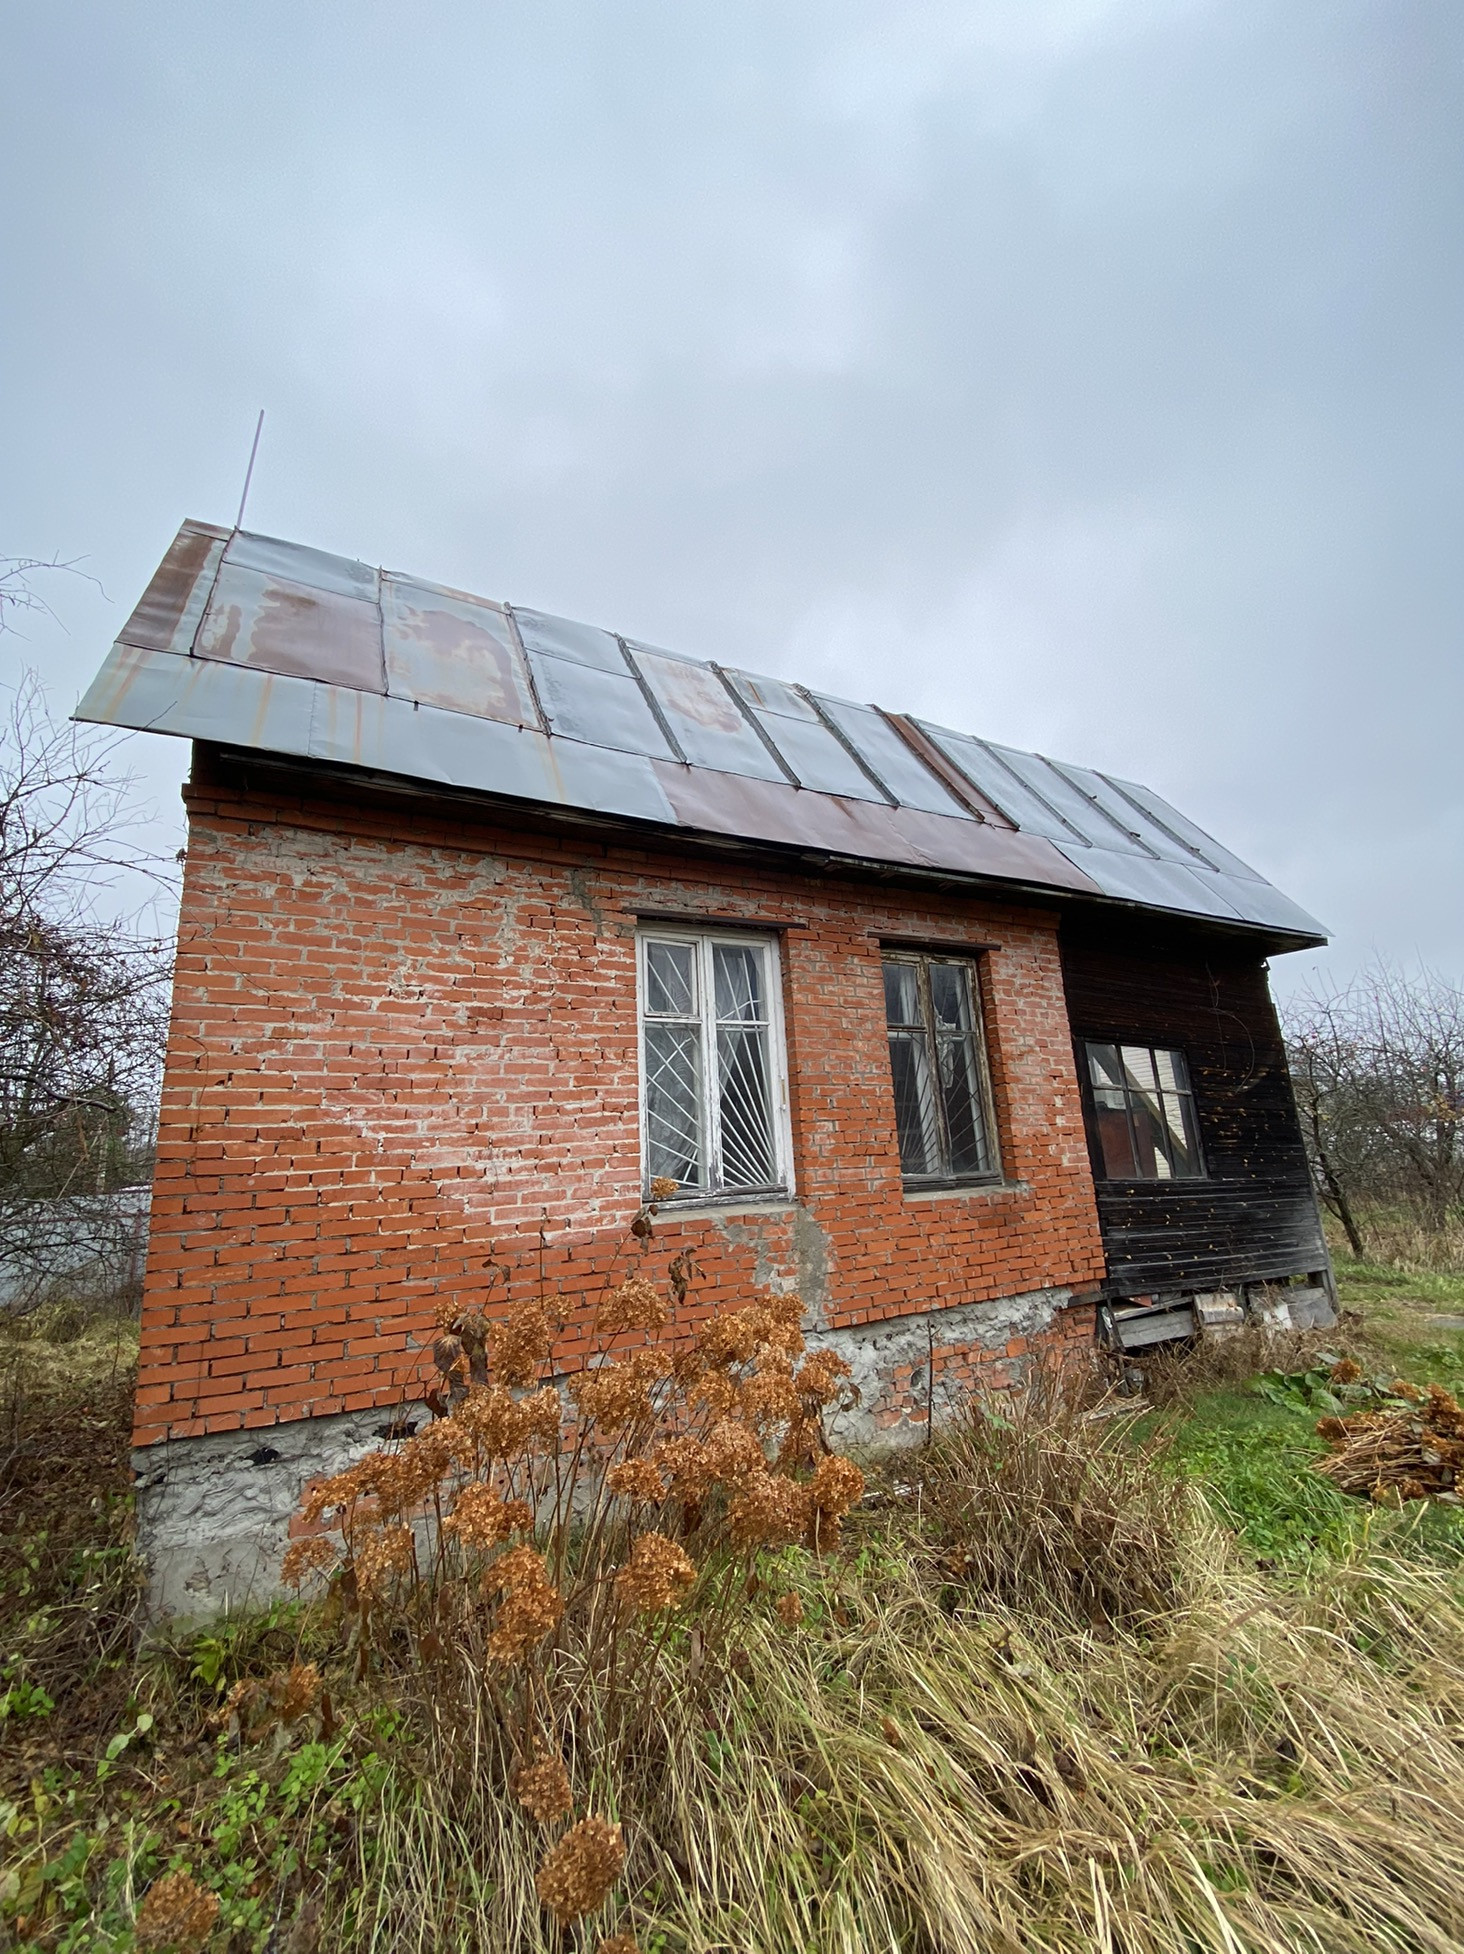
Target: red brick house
{"x":489,"y":919}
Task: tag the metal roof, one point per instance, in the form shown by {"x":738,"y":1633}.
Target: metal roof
{"x":253,"y":642}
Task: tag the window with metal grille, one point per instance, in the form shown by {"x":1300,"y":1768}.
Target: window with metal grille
{"x":714,"y":1097}
{"x":938,"y":1065}
{"x":1144,"y":1113}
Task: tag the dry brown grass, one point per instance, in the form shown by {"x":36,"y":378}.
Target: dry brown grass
{"x":1399,"y":1241}
{"x":1033,"y":1703}
{"x":1040,"y":1503}
{"x":70,"y":1588}
{"x":1176,"y":1374}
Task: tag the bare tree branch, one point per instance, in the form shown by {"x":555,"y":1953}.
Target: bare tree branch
{"x":1378,"y":1068}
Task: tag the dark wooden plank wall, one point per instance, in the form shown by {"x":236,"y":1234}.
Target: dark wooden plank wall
{"x":1254,"y":1218}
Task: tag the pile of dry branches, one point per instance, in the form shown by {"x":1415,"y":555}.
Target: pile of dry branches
{"x":1413,"y":1448}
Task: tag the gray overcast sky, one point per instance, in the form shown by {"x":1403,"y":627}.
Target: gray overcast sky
{"x":1084,"y":373}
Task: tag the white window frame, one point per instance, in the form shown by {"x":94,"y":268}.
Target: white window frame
{"x":703,"y":941}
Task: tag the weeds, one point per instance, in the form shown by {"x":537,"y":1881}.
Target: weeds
{"x":1040,"y":1505}
{"x":1106,"y":1729}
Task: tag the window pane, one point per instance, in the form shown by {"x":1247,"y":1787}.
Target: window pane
{"x":1150,"y":1136}
{"x":670,"y":980}
{"x":902,"y":994}
{"x":673,"y":1100}
{"x":1184,"y":1147}
{"x":1103,"y":1065}
{"x":1138,"y":1063}
{"x":1114,"y":1139}
{"x":950,"y":997}
{"x":744,"y":1108}
{"x":960,"y":1091}
{"x":915,"y":1117}
{"x":737,"y":975}
{"x":1145,"y":1113}
{"x":1173,"y":1074}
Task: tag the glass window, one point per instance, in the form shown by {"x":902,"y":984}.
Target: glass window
{"x":1144,"y":1112}
{"x":938,"y":1070}
{"x":713,"y":1084}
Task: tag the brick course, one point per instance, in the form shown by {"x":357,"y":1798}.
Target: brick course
{"x":404,"y":1044}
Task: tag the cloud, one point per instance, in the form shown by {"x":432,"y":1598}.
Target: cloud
{"x":1085,"y":372}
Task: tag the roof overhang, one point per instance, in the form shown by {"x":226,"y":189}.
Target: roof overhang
{"x":247,"y":643}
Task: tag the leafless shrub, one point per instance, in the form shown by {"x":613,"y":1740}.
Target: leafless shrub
{"x":1378,"y":1068}
{"x":542,"y":1549}
{"x":83,"y":993}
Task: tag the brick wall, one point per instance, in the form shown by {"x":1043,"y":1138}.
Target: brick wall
{"x":404,"y":1045}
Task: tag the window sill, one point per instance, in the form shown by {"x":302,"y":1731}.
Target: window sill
{"x":968,"y":1191}
{"x":1137,"y":1184}
{"x":725,"y":1210}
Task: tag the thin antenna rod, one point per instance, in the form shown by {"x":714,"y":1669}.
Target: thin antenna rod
{"x":249,"y":471}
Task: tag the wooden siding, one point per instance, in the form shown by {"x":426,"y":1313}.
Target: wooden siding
{"x":1254,"y":1217}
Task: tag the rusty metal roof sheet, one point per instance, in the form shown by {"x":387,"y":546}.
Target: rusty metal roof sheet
{"x":253,"y":642}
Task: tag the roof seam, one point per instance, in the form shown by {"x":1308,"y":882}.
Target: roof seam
{"x":658,"y":712}
{"x":1149,"y":815}
{"x":1066,"y":773}
{"x":545,"y":725}
{"x":753,"y":721}
{"x":848,"y":745}
{"x":1036,"y":792}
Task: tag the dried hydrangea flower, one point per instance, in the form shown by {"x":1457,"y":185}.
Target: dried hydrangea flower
{"x":789,"y":1609}
{"x":543,"y":1415}
{"x":178,"y":1914}
{"x":635,"y":1305}
{"x":530,"y":1608}
{"x":657,"y":1575}
{"x":684,"y":1461}
{"x":769,"y":1511}
{"x":721,"y":1394}
{"x":380,"y":1553}
{"x":481,"y":1519}
{"x":578,"y":1871}
{"x":294,"y":1692}
{"x":837,"y":1485}
{"x":400,"y":1481}
{"x":770,"y":1397}
{"x":498,"y":1422}
{"x":819,"y":1378}
{"x":733,"y":1455}
{"x":312,"y":1555}
{"x":612,"y":1396}
{"x":618,"y":1943}
{"x":635,"y":1479}
{"x":543,"y":1788}
{"x":662,"y":1188}
{"x":336,"y":1494}
{"x":735,"y":1336}
{"x":520,"y":1342}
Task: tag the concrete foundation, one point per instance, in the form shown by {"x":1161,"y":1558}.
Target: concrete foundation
{"x":214,"y":1512}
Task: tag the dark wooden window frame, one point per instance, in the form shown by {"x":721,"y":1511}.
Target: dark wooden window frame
{"x":968,"y":960}
{"x":1200,"y":1178}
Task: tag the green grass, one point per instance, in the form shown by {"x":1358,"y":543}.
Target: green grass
{"x":1255,"y":1458}
{"x":1255,"y":1461}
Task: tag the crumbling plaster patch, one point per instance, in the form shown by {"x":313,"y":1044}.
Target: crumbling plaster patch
{"x":790,"y":1251}
{"x":887,"y":1355}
